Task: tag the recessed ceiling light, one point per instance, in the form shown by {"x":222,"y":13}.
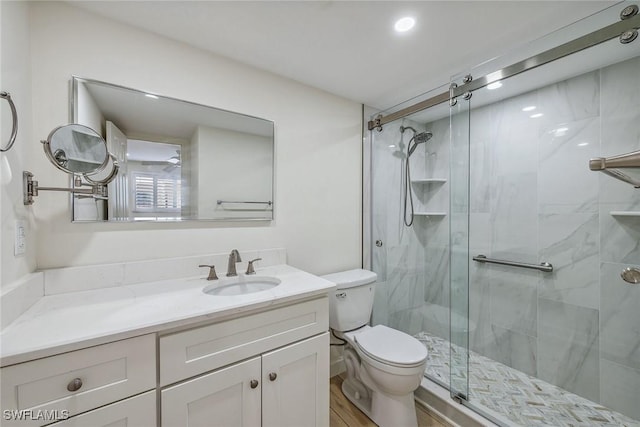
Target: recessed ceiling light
{"x":529,"y":108}
{"x":148,"y":95}
{"x":583,"y":144}
{"x":535,"y":116}
{"x":494,"y":85}
{"x":404,"y":24}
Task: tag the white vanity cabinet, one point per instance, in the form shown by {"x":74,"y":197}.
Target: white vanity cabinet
{"x":283,"y":379}
{"x":265,"y":366}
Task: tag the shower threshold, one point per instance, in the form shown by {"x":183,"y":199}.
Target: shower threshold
{"x":515,"y":398}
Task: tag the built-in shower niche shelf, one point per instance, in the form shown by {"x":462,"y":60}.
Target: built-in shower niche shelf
{"x":625,"y":213}
{"x":429,"y":181}
{"x":433,"y":214}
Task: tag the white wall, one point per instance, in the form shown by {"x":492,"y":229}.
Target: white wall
{"x":15,"y":79}
{"x":318,"y":144}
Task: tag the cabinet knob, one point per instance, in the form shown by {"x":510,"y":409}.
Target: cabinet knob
{"x":253,"y":383}
{"x":74,"y":385}
{"x":273,"y":376}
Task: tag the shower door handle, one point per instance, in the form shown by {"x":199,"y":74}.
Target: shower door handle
{"x":379,"y":243}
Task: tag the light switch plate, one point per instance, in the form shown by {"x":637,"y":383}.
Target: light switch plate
{"x":20,"y":240}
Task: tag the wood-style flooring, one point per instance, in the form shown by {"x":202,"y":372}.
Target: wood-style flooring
{"x":344,"y":414}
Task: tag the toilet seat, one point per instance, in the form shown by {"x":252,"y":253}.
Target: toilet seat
{"x":391,"y":347}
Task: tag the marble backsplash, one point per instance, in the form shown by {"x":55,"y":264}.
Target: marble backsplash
{"x":74,"y":279}
{"x":18,"y":297}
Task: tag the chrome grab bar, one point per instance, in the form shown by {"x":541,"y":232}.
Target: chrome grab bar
{"x":543,"y":266}
{"x":231,"y":201}
{"x":610,"y":165}
{"x":14,"y":114}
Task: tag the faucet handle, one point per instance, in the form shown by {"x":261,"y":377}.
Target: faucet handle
{"x":212,"y":271}
{"x":236,"y":255}
{"x":250,"y":269}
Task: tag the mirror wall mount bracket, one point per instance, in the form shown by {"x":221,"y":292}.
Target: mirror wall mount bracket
{"x":31,"y":188}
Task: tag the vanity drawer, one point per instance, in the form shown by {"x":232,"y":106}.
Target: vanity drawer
{"x":138,"y":411}
{"x":106,"y":372}
{"x":189,"y":353}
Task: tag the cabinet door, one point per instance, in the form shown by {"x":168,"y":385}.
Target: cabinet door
{"x":221,"y":398}
{"x":295,"y":384}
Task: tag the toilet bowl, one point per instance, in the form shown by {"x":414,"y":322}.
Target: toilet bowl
{"x":384,"y":365}
{"x":389,"y":364}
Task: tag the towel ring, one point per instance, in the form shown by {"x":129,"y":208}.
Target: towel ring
{"x":14,"y":113}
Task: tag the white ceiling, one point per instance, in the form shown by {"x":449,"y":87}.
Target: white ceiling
{"x":349,"y":48}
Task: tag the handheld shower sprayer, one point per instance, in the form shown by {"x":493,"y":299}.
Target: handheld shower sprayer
{"x":417,"y":139}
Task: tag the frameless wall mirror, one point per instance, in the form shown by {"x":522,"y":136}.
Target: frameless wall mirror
{"x":177,"y":160}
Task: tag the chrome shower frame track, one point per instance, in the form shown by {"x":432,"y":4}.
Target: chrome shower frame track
{"x":581,"y":43}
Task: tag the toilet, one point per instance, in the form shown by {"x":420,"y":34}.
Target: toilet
{"x":384,"y":366}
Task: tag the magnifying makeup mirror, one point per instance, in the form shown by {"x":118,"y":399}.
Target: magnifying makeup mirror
{"x":76,"y":149}
{"x":79,"y":151}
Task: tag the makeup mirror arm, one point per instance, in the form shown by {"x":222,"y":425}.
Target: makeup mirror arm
{"x":30,"y":188}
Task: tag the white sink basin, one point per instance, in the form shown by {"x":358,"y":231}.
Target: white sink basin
{"x":241,"y":285}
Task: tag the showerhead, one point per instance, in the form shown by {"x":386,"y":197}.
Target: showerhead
{"x":419,"y":138}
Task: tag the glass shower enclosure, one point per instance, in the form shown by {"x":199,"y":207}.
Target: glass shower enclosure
{"x":517,"y":273}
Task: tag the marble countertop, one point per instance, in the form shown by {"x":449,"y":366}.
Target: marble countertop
{"x":70,"y":321}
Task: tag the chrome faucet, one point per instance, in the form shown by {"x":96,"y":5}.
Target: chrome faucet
{"x":234,"y":257}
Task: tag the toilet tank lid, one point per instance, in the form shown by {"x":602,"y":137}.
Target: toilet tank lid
{"x":351,"y":278}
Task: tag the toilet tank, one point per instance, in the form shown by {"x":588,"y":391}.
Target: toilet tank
{"x":351,"y":303}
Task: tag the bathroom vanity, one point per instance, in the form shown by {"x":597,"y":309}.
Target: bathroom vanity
{"x":166,"y":354}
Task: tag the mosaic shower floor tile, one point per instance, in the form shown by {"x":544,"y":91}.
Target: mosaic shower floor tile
{"x":514,"y":396}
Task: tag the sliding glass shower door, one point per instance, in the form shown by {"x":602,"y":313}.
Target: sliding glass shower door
{"x":540,"y":243}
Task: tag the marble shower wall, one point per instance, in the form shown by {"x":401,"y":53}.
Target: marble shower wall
{"x":534,"y":199}
{"x":412,"y":263}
